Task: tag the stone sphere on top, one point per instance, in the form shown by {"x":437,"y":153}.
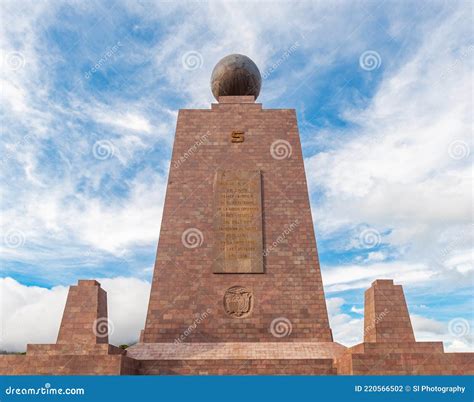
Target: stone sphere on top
{"x":235,"y":75}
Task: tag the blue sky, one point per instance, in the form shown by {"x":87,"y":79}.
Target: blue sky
{"x":382,"y":92}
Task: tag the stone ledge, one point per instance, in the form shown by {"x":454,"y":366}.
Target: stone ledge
{"x":67,"y":365}
{"x":249,"y":106}
{"x":396,"y":347}
{"x":236,"y":99}
{"x":383,"y":283}
{"x":238,"y":367}
{"x":236,"y":350}
{"x":87,"y":282}
{"x":403,"y":358}
{"x":73,"y":349}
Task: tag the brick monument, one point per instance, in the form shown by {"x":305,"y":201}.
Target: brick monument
{"x":389,"y":345}
{"x":237,"y":286}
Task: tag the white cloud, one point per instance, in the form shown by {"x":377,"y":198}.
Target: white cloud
{"x":348,"y":277}
{"x":461,"y":261}
{"x":52,"y":186}
{"x":376,"y":256}
{"x":133,"y":222}
{"x":458,"y":345}
{"x":14,"y":97}
{"x":128,"y":301}
{"x":395,"y":170}
{"x":346,"y":329}
{"x":128,"y":121}
{"x":29,"y":314}
{"x":33,"y":314}
{"x":80,"y":224}
{"x":356,"y":310}
{"x":428,"y":329}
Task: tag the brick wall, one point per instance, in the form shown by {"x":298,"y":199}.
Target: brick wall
{"x":238,"y":367}
{"x":85,"y":315}
{"x":386,"y":317}
{"x":184,"y":285}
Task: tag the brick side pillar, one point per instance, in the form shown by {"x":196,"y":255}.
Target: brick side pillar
{"x":386,"y":317}
{"x":389,"y":346}
{"x":85,"y":315}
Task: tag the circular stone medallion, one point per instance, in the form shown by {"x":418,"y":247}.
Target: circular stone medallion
{"x":238,"y":302}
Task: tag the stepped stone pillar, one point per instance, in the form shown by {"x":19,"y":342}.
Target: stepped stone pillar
{"x":82,"y":345}
{"x":85,"y":315}
{"x":386,"y":317}
{"x":389,"y":345}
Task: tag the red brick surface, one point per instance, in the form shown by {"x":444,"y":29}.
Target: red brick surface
{"x":73,"y":349}
{"x":236,"y":351}
{"x":67,"y":364}
{"x":240,"y":358}
{"x":184,"y":285}
{"x":238,"y":367}
{"x":386,"y":317}
{"x":388,"y":362}
{"x":86,"y":306}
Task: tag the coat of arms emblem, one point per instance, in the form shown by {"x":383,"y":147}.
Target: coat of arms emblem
{"x":238,"y":301}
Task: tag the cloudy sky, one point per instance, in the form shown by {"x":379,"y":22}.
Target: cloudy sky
{"x":91,"y":92}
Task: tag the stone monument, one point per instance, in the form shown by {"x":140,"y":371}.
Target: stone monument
{"x":237,"y":286}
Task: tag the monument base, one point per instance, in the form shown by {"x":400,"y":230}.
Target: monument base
{"x":236,"y":358}
{"x":389,"y":348}
{"x":407,"y":358}
{"x":68,"y":359}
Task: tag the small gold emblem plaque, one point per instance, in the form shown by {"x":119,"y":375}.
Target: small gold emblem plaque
{"x":237,"y":136}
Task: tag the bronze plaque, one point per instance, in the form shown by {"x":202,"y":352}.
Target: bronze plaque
{"x":237,"y":137}
{"x":238,"y":222}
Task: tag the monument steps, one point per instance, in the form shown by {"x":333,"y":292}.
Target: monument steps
{"x":235,"y":350}
{"x":238,"y":367}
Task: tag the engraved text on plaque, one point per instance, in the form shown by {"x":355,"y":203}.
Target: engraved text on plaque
{"x":238,"y":222}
